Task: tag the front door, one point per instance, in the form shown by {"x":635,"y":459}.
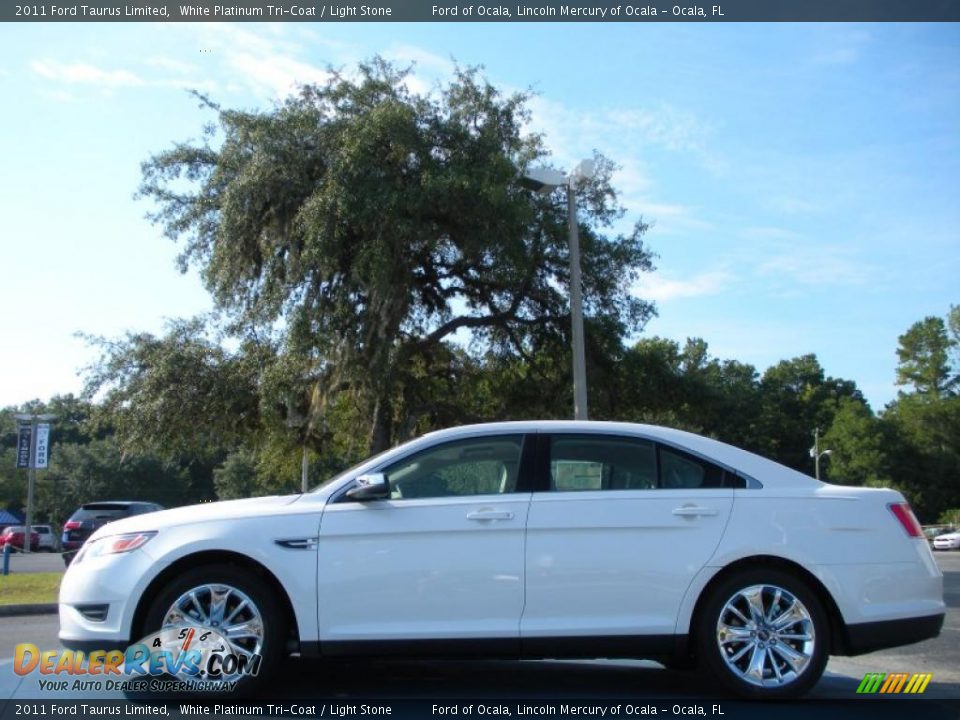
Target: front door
{"x":442,"y":558}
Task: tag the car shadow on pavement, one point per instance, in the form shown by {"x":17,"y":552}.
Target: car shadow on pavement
{"x":494,"y":679}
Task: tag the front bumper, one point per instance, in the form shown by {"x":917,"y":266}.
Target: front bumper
{"x":116,"y":581}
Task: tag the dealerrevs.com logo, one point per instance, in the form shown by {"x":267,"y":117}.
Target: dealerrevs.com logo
{"x":175,"y":659}
{"x":894,"y":683}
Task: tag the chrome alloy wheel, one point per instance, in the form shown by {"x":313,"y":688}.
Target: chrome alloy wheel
{"x":222,"y":608}
{"x":766,"y":636}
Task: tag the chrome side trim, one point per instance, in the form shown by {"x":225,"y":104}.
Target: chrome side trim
{"x":309,"y":543}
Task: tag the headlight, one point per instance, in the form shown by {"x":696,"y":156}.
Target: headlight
{"x":115,"y":544}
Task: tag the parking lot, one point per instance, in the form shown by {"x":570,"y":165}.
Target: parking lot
{"x":34,"y":562}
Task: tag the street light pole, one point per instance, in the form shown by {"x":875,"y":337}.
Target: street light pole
{"x":304,"y":470}
{"x":816,"y":454}
{"x":576,"y":311}
{"x":547,"y":180}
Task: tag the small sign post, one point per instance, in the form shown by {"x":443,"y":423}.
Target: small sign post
{"x":33,"y":451}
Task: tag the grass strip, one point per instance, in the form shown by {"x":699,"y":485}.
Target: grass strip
{"x":23,"y":588}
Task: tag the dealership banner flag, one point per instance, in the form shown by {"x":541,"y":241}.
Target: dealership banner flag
{"x":24,"y":439}
{"x":43,"y":446}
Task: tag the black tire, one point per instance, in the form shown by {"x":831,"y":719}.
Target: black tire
{"x":763,"y":660}
{"x":257,"y":593}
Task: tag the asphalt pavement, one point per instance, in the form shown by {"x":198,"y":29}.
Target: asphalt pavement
{"x":35,"y":562}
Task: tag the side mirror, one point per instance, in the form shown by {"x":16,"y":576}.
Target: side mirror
{"x":372,"y":486}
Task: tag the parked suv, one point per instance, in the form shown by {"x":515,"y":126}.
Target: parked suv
{"x":92,"y":516}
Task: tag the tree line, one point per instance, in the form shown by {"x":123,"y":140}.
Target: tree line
{"x":181,"y":442}
{"x":378,"y":271}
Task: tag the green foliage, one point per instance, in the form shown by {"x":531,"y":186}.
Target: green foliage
{"x":797,"y":398}
{"x":928,"y":458}
{"x":178,"y":395}
{"x":924,"y":355}
{"x":950,"y":517}
{"x":87,"y":463}
{"x":859,"y":445}
{"x":237,"y":476}
{"x":373,"y":223}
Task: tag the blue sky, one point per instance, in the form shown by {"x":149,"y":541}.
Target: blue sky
{"x":803,"y":179}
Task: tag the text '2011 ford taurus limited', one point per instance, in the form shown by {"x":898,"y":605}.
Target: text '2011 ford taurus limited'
{"x":533,"y":540}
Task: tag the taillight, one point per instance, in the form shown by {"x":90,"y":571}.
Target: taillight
{"x":71,"y":525}
{"x":907,"y":519}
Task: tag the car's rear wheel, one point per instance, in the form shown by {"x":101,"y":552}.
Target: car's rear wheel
{"x":234,"y":603}
{"x":764,"y":634}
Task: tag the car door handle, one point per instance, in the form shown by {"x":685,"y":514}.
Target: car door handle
{"x":481,"y":515}
{"x":693,"y":511}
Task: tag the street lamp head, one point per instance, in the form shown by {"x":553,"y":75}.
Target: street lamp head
{"x":543,"y":180}
{"x":584,"y":170}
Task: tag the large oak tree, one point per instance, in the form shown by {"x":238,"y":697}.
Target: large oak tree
{"x":360,"y":226}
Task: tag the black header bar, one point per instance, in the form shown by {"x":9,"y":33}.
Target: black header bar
{"x":491,"y":11}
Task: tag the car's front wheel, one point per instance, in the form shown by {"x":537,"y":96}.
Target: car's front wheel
{"x":764,"y":634}
{"x":236,"y":605}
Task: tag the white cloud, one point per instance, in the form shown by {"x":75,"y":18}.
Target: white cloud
{"x":60,"y":96}
{"x":425,"y":61}
{"x":109,"y":81}
{"x":818,"y":265}
{"x":171,"y":65}
{"x":624,"y":134}
{"x":84,"y":74}
{"x":632,"y":179}
{"x":668,"y":218}
{"x":262,"y":62}
{"x":664,"y":126}
{"x":276,"y":73}
{"x":660,"y":288}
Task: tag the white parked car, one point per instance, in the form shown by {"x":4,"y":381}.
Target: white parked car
{"x":47,"y":538}
{"x":947,"y":541}
{"x":534,"y":540}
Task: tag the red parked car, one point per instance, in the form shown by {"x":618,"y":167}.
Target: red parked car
{"x":13,"y":536}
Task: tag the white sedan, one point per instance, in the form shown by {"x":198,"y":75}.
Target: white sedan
{"x":530,"y":540}
{"x":947,"y":541}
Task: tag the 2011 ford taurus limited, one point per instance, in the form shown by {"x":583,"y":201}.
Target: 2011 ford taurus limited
{"x":533,"y":540}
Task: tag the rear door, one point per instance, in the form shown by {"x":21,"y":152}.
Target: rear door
{"x":617,"y":536}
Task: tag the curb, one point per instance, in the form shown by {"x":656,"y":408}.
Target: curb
{"x":28,"y":609}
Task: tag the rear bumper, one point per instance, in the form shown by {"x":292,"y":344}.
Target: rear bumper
{"x":867,"y":637}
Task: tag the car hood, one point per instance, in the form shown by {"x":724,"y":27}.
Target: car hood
{"x":225,"y":510}
{"x":948,"y":536}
